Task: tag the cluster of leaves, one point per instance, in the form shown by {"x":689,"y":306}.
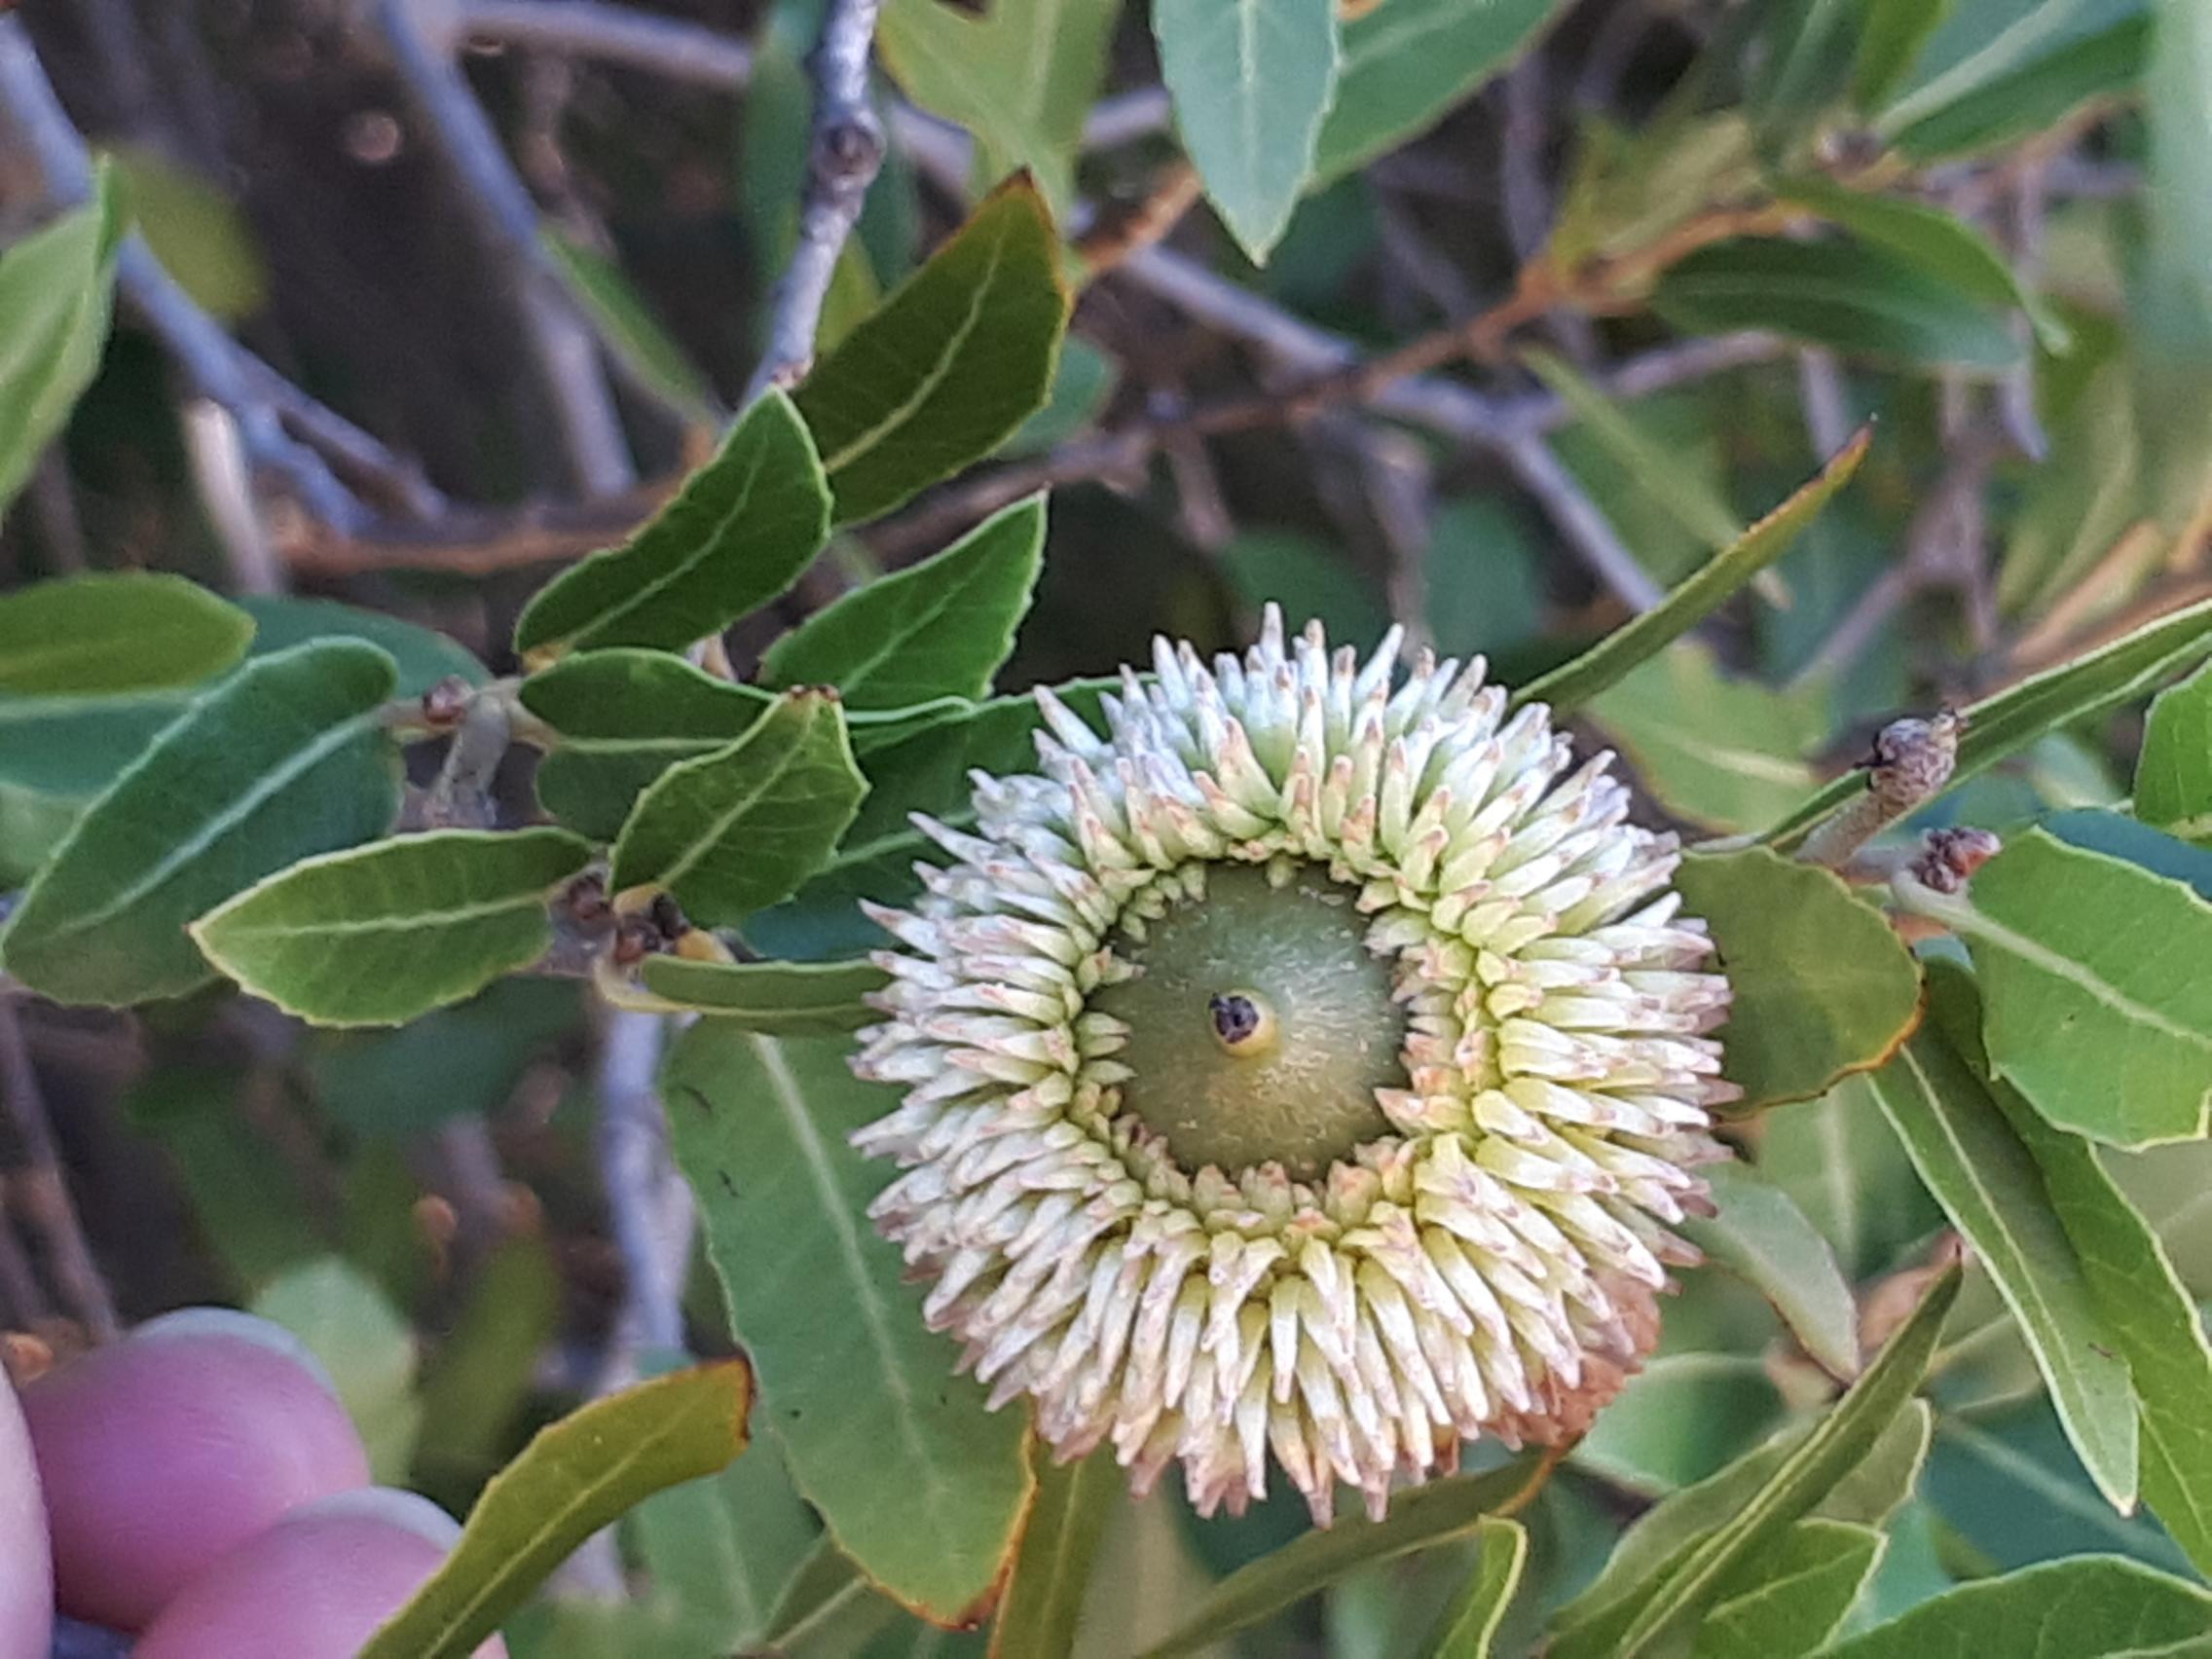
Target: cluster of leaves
{"x":193,"y":788}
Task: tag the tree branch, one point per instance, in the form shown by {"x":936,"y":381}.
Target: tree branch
{"x":613,"y":34}
{"x":564,"y":349}
{"x":846,"y":151}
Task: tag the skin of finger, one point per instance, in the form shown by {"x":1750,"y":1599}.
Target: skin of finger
{"x":162,"y":1451}
{"x":315,"y":1586}
{"x":26,"y":1580}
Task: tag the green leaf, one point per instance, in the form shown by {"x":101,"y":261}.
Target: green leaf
{"x":57,"y":753}
{"x":2002,"y":725}
{"x":2097,"y":977}
{"x":1724,"y":753}
{"x":1419,"y":1516}
{"x":723,"y":1549}
{"x":1985,"y":1180}
{"x":1681,"y":492}
{"x":624,"y":321}
{"x":1043,"y":1598}
{"x":1309,"y":576}
{"x":2134,"y":843}
{"x":575,"y":1477}
{"x":423,"y":655}
{"x":937,"y":629}
{"x":1865,"y":1496}
{"x":1889,"y":37}
{"x":1824,"y":985}
{"x":959,"y":356}
{"x":2087,"y":1607}
{"x":2173,"y":775}
{"x":110,"y":633}
{"x":1944,"y":246}
{"x":1483,"y":580}
{"x":621,"y":718}
{"x":1788,"y":1598}
{"x":1021,"y":78}
{"x":1663,"y":1606}
{"x":1853,"y":296}
{"x":1250,"y":80}
{"x":1608,"y":662}
{"x":464,"y":1061}
{"x":918,"y":1482}
{"x":2151,"y":1318}
{"x":484,"y":1370}
{"x":741,"y":828}
{"x":2021,"y":78}
{"x":1471,"y":1621}
{"x":200,"y":235}
{"x":1406,"y":63}
{"x":779,"y":999}
{"x":379,"y":935}
{"x":1764,"y":1239}
{"x":368,"y":1350}
{"x":738,"y":534}
{"x":283,"y":759}
{"x":57,"y":293}
{"x":1838,"y":1159}
{"x":1082,"y":387}
{"x":1680,"y":1418}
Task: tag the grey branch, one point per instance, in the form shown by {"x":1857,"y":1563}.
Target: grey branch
{"x":565,"y":350}
{"x":847,"y":150}
{"x":613,"y":34}
{"x":43,"y":1188}
{"x":216,"y":367}
{"x":649,"y":1204}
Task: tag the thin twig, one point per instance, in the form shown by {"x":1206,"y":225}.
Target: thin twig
{"x":564,"y":349}
{"x":846,"y":150}
{"x":43,"y":1189}
{"x":22,"y":1303}
{"x":1912,"y":760}
{"x":614,"y":34}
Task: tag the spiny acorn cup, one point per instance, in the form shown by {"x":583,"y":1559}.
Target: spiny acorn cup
{"x":1313,"y":1063}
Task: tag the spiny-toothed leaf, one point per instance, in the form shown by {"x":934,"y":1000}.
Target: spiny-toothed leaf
{"x":109,"y":634}
{"x":380,"y":935}
{"x":741,"y":828}
{"x":958,"y":356}
{"x":938,"y":629}
{"x":283,"y":759}
{"x":739,"y":533}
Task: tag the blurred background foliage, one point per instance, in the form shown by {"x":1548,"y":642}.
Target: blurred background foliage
{"x":1656,"y":259}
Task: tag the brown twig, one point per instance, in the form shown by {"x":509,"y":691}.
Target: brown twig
{"x":1118,"y":234}
{"x":43,"y":1191}
{"x":847,"y":149}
